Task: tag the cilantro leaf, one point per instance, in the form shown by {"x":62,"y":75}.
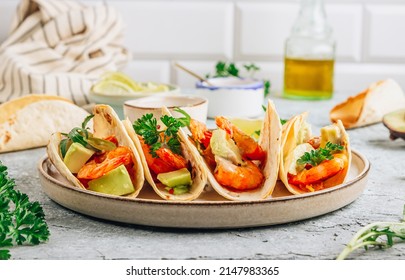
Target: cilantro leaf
{"x":316,"y":157}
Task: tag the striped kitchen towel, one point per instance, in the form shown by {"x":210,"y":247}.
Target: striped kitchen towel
{"x":59,"y":47}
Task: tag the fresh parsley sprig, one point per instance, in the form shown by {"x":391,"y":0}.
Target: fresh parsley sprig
{"x":21,"y":221}
{"x":147,"y":127}
{"x":229,"y":69}
{"x":380,"y":235}
{"x":315,"y":157}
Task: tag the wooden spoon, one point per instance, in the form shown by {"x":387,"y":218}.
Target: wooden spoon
{"x":195,"y":75}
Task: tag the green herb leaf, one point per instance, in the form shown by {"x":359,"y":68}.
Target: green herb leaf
{"x":223,"y":69}
{"x":380,"y":235}
{"x":86,"y":121}
{"x":315,"y":157}
{"x":267,"y":85}
{"x":185,"y":121}
{"x":172,"y":125}
{"x":147,"y":127}
{"x":21,"y":221}
{"x":174,"y":145}
{"x":64,"y":146}
{"x":283,"y":121}
{"x":82,"y":135}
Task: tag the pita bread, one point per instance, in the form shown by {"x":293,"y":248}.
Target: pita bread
{"x":105,"y":123}
{"x":190,"y":153}
{"x":28,"y":122}
{"x":369,"y":106}
{"x":290,"y":140}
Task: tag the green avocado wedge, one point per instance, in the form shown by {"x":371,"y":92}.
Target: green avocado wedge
{"x":116,"y":182}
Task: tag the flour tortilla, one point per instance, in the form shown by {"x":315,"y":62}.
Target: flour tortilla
{"x":190,"y":153}
{"x":369,"y":106}
{"x":28,"y":122}
{"x":289,"y":143}
{"x":105,"y":123}
{"x":269,"y":141}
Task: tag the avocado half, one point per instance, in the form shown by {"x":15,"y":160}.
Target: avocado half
{"x":395,"y":122}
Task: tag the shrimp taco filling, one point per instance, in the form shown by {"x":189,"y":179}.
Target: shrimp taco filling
{"x":163,"y":151}
{"x":101,"y":165}
{"x":316,"y":159}
{"x":233,"y":156}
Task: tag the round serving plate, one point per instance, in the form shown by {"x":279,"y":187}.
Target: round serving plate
{"x":210,"y":210}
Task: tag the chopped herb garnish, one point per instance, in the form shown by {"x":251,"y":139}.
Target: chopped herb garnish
{"x":21,"y":222}
{"x":283,"y":121}
{"x":315,"y":157}
{"x":147,"y":127}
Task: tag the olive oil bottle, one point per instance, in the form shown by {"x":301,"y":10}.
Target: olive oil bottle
{"x":309,"y":55}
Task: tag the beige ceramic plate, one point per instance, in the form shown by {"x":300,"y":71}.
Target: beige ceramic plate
{"x":209,"y":211}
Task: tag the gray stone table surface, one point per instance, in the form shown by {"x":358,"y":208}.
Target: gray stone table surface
{"x":75,"y":236}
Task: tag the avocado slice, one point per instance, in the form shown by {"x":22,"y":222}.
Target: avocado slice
{"x":223,"y":147}
{"x":395,"y":122}
{"x":330,"y":133}
{"x":117,"y":182}
{"x":175,"y":178}
{"x":76,"y":156}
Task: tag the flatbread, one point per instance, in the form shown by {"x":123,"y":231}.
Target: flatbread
{"x":190,"y":153}
{"x":289,"y":143}
{"x":28,"y":122}
{"x":270,"y":141}
{"x":105,"y":123}
{"x":369,"y":106}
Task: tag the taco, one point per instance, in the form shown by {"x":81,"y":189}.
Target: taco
{"x":45,"y":113}
{"x":239,"y":168}
{"x":172,"y":166}
{"x":311,"y":163}
{"x":369,"y":106}
{"x":104,"y":160}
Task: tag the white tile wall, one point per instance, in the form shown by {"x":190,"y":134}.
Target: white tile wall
{"x":178,"y":28}
{"x":263,"y":28}
{"x":197,"y":33}
{"x":385,"y":38}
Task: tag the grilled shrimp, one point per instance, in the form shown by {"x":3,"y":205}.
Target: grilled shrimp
{"x":102,"y":164}
{"x":245,"y":177}
{"x":200,"y":133}
{"x":166,"y":161}
{"x":319,"y":173}
{"x":248,"y":147}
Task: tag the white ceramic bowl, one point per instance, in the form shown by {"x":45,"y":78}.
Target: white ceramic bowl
{"x":117,"y":101}
{"x":232,"y":97}
{"x":196,"y":107}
